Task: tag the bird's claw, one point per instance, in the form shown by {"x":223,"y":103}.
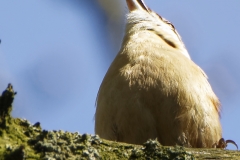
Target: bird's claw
{"x":223,"y":144}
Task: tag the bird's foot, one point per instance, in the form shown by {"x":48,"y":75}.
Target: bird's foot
{"x":223,"y":144}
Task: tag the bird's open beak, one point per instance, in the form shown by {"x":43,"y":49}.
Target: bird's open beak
{"x":136,"y":5}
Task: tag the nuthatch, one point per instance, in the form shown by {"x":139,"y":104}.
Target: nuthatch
{"x":154,"y":90}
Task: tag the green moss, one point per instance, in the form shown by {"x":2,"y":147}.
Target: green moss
{"x":13,"y":139}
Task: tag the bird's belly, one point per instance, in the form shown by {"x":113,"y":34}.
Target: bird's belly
{"x":150,"y":99}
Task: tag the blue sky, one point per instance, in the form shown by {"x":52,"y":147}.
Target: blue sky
{"x":56,"y":53}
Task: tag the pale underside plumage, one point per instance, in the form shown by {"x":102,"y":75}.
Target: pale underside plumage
{"x":154,"y":90}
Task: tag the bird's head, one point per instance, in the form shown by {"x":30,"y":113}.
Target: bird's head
{"x":140,"y":17}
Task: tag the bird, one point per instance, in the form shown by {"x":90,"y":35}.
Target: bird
{"x":153,"y":90}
